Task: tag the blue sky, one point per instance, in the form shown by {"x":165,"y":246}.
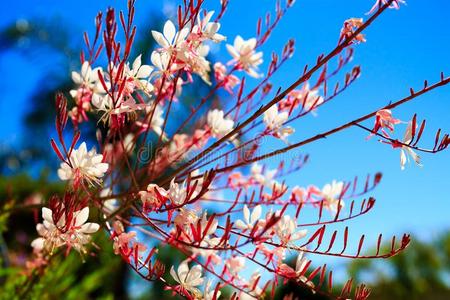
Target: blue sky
{"x":403,"y":48}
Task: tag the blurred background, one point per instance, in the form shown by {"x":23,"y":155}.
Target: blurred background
{"x":40,"y":42}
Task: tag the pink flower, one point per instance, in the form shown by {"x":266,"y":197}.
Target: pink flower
{"x":384,"y":119}
{"x":302,"y":195}
{"x":237,"y":180}
{"x":228,"y":81}
{"x":125,"y":243}
{"x":301,"y":265}
{"x":153,"y":198}
{"x":307,"y":98}
{"x":349,"y":27}
{"x":235,"y":264}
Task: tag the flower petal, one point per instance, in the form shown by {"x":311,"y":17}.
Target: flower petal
{"x":256,"y":213}
{"x":160,"y":39}
{"x":246,"y":213}
{"x":82,"y":216}
{"x":169,"y":31}
{"x":144,"y":71}
{"x":90,"y":228}
{"x":137,"y":63}
{"x":47,"y":214}
{"x":38,"y":243}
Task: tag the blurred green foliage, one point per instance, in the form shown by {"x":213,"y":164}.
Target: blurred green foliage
{"x":422,"y":271}
{"x":67,"y":277}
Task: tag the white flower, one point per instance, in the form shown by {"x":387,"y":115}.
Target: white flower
{"x":286,"y":230}
{"x":180,"y":51}
{"x":188,"y":278}
{"x":110,"y":206}
{"x":209,"y":254}
{"x":218,"y":124}
{"x":332,"y":193}
{"x":197,"y":182}
{"x":208,"y":29}
{"x":79,"y":233}
{"x":266,"y":179}
{"x":161,"y":61}
{"x":88,"y":78}
{"x":300,"y":265}
{"x":51,"y":236}
{"x":170,"y":39}
{"x":140,"y":74}
{"x":405,"y":151}
{"x":177,"y":192}
{"x":83,"y":165}
{"x":123,"y":104}
{"x":103,"y":102}
{"x":249,"y":219}
{"x":243,"y":52}
{"x":275,"y":120}
{"x":312,"y":100}
{"x":75,"y":235}
{"x":229,"y":81}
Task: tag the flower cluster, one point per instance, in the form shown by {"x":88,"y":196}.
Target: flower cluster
{"x":68,"y":229}
{"x":171,"y":166}
{"x":83,"y":165}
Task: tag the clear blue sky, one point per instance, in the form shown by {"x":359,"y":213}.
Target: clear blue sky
{"x":403,"y":48}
